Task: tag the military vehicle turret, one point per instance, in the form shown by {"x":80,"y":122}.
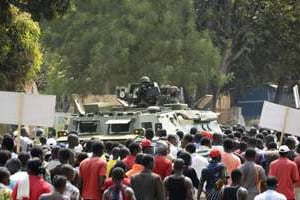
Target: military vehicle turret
{"x":144,"y":105}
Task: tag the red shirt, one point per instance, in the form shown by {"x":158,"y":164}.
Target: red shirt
{"x":231,"y":161}
{"x":286,"y":173}
{"x":162,"y":166}
{"x":297,"y":161}
{"x":109,"y":182}
{"x":37,"y":187}
{"x":90,"y":170}
{"x":129,"y":161}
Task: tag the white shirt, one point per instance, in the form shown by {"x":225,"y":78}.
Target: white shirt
{"x":198,"y":163}
{"x":270,"y":195}
{"x":25,"y":142}
{"x":16,"y":177}
{"x":173,"y":150}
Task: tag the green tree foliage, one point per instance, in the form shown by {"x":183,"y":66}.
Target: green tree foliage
{"x":108,"y":43}
{"x":257,"y":38}
{"x":42,"y":9}
{"x":274,"y":55}
{"x":277,"y":26}
{"x":227,"y":22}
{"x":20,"y":51}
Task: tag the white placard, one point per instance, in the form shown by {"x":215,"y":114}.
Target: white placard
{"x":9,"y":107}
{"x":38,"y":110}
{"x":272,"y":116}
{"x":293,"y":122}
{"x":280,"y":118}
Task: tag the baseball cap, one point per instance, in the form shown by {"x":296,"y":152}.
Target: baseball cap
{"x":214,"y":153}
{"x":284,"y":149}
{"x":145,"y":143}
{"x":207,"y":134}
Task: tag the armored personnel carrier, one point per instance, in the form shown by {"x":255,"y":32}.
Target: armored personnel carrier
{"x":144,"y":105}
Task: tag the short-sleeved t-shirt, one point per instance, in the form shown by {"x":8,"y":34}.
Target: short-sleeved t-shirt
{"x":109,"y":166}
{"x":270,"y":194}
{"x":162,"y":167}
{"x":90,"y":170}
{"x":198,"y":163}
{"x":37,"y":187}
{"x":231,"y":162}
{"x":297,"y":161}
{"x":286,"y":172}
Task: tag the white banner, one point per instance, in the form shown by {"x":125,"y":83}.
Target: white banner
{"x":36,"y":110}
{"x":280,"y":118}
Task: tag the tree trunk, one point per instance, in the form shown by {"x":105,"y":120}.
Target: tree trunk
{"x":106,"y":87}
{"x":280,"y":90}
{"x":227,"y":50}
{"x":216,"y":93}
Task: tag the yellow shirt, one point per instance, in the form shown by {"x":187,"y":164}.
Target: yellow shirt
{"x":110,"y":165}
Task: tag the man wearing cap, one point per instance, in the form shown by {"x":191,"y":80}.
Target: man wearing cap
{"x":207,"y":134}
{"x":147,"y":147}
{"x":286,"y":173}
{"x":214,"y":175}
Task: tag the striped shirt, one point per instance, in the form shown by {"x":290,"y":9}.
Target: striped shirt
{"x":203,"y":151}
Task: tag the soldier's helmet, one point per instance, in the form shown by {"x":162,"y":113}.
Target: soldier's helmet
{"x":144,"y":79}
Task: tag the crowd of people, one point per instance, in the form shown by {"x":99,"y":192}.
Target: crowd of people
{"x":234,"y":165}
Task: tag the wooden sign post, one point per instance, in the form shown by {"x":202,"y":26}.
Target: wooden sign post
{"x":284,"y":125}
{"x":20,"y":120}
{"x":280,"y":118}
